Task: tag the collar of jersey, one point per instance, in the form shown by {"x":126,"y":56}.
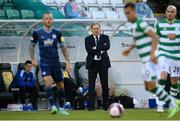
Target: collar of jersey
{"x":46,"y":30}
{"x":134,"y":20}
{"x":171,"y":22}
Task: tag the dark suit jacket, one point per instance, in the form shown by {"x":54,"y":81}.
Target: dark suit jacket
{"x":104,"y":45}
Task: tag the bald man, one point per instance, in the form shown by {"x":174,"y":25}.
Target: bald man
{"x":168,"y":31}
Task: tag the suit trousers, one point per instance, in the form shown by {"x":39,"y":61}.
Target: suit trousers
{"x":92,"y":75}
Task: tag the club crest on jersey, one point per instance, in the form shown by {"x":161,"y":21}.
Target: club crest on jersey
{"x":54,"y":36}
{"x":44,"y":73}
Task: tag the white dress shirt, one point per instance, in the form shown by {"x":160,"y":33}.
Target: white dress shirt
{"x":95,"y":57}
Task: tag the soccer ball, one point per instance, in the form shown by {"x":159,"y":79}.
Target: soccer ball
{"x":116,"y":110}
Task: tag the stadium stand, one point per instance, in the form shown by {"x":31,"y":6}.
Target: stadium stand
{"x":2,"y":14}
{"x":27,"y":14}
{"x":92,"y":6}
{"x":33,"y":9}
{"x":12,"y":14}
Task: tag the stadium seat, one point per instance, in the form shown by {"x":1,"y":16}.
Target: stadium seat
{"x":98,"y":14}
{"x":8,"y":7}
{"x":90,"y":3}
{"x":107,"y":28}
{"x":6,"y":74}
{"x":104,"y":3}
{"x":9,"y":4}
{"x":48,"y":1}
{"x":1,"y":2}
{"x":20,"y":66}
{"x":51,"y":3}
{"x":27,"y":14}
{"x":111,"y":15}
{"x":79,"y":1}
{"x":57,"y":14}
{"x":2,"y":14}
{"x":58,"y":2}
{"x":13,"y":14}
{"x":116,"y":2}
{"x":39,"y":14}
{"x":6,"y":78}
{"x":88,"y":14}
{"x":107,"y":8}
{"x":1,"y":85}
{"x":76,"y":30}
{"x":93,"y":8}
{"x":63,"y":2}
{"x":120,"y":12}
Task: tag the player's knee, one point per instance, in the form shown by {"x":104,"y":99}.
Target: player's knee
{"x":149,"y":86}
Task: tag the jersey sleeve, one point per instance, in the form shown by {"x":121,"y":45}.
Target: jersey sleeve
{"x":145,"y":27}
{"x":34,"y":38}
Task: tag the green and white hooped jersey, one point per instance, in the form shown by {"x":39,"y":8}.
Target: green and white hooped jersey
{"x":142,"y":41}
{"x":166,"y":47}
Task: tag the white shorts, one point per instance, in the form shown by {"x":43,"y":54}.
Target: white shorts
{"x":164,"y":64}
{"x":149,"y":71}
{"x":170,"y":66}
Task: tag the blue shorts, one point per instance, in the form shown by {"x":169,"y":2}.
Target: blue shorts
{"x":53,"y":70}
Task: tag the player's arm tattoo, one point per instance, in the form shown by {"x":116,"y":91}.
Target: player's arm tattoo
{"x":65,"y":52}
{"x":31,"y":50}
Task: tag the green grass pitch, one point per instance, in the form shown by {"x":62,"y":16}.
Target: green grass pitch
{"x":133,"y":114}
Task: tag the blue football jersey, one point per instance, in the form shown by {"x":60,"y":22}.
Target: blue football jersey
{"x":48,"y":44}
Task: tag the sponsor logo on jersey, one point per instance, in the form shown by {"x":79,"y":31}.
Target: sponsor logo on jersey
{"x":48,"y":42}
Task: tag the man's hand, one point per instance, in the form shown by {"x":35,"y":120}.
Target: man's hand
{"x":34,"y":62}
{"x":172,"y":36}
{"x":126,"y":52}
{"x":68,"y":67}
{"x":153,"y":58}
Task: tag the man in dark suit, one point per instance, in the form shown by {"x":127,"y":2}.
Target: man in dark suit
{"x":97,"y":62}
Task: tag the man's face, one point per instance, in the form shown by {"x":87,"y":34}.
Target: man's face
{"x":130,"y":13}
{"x":28,"y":67}
{"x":170,"y":13}
{"x":47,"y":20}
{"x":96,"y":29}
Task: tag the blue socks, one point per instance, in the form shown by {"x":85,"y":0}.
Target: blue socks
{"x":50,"y":93}
{"x":61,"y":98}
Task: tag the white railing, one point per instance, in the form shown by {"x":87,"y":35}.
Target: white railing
{"x":63,"y":22}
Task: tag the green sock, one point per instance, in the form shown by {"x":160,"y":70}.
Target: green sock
{"x":162,"y":95}
{"x":162,"y":82}
{"x":174,"y":90}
